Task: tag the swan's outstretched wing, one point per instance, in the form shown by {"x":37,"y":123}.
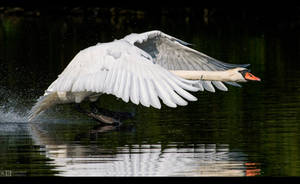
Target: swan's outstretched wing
{"x":125,"y":71}
{"x":173,"y":54}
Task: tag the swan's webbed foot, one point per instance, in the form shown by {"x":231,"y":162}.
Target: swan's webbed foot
{"x":105,"y":116}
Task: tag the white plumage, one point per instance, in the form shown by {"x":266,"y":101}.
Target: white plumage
{"x":134,"y":69}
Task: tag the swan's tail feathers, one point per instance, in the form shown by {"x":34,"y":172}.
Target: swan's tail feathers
{"x":43,"y":103}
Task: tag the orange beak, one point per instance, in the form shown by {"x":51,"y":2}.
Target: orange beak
{"x":250,"y":76}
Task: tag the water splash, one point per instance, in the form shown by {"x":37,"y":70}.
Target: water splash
{"x":15,"y":106}
{"x":12,"y":107}
{"x":11,"y":116}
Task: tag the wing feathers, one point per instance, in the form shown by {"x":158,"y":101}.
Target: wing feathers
{"x":108,"y":81}
{"x":134,"y":96}
{"x":120,"y":91}
{"x":220,"y":85}
{"x":208,"y":86}
{"x":126,"y":87}
{"x":152,"y":94}
{"x":174,"y":54}
{"x":170,"y":86}
{"x":116,"y":84}
{"x":131,"y":75}
{"x":163,"y":95}
{"x":144,"y":96}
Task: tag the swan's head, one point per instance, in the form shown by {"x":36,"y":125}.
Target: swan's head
{"x":249,"y":76}
{"x":246,"y":75}
{"x":242,"y":75}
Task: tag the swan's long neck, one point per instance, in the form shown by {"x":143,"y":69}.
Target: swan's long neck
{"x":231,"y":75}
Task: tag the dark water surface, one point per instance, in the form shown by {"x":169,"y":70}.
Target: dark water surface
{"x":248,"y":131}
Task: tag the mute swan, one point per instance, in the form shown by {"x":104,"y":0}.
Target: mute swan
{"x":140,"y":68}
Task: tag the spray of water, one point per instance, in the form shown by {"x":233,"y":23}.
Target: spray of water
{"x":13,"y":108}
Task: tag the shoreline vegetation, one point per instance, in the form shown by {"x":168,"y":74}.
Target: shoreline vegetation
{"x":205,"y":15}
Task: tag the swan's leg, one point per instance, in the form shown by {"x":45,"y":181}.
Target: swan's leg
{"x":105,"y":119}
{"x":103,"y":115}
{"x":109,"y":116}
{"x":102,"y":118}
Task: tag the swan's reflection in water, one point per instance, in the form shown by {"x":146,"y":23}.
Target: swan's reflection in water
{"x":143,"y":159}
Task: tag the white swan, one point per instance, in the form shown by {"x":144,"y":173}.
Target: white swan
{"x":141,"y":68}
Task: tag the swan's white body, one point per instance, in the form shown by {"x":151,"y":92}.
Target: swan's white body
{"x":141,"y":68}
